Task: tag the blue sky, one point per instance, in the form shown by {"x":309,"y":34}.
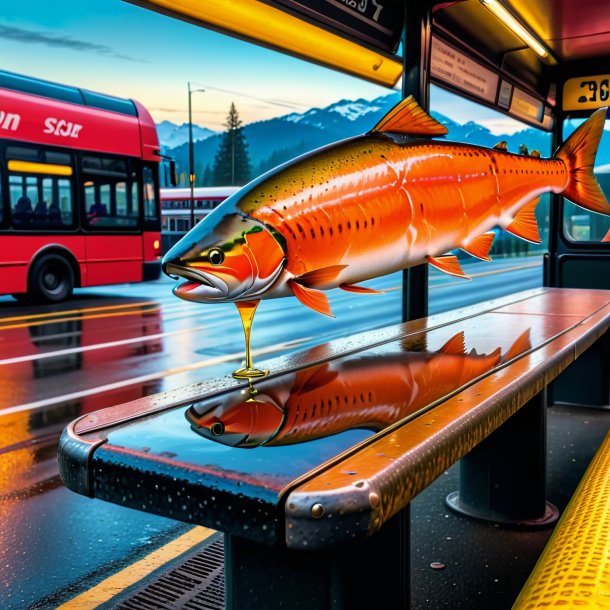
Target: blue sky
{"x":117,"y":48}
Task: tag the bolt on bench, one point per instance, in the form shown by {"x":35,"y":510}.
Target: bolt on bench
{"x":311,"y":477}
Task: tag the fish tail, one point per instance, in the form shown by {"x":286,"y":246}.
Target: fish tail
{"x":578,"y":153}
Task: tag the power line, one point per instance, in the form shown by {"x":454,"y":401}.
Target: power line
{"x":290,"y":105}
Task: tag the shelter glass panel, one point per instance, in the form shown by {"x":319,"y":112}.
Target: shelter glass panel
{"x":580,"y":225}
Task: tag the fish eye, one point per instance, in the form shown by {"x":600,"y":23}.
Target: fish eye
{"x":217,"y":428}
{"x":216,"y":256}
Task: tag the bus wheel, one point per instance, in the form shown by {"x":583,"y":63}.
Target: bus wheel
{"x":51,"y":279}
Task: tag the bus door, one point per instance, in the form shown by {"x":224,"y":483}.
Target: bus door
{"x":112,"y":219}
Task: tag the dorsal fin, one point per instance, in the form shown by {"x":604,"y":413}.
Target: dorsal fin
{"x":455,"y":345}
{"x":410,"y":118}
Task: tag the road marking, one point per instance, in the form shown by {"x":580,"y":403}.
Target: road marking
{"x":79,"y":318}
{"x":239,"y":356}
{"x":88,"y":348}
{"x":117,"y":583}
{"x":68,"y":312}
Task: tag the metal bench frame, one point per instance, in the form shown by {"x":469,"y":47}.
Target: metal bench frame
{"x":497,"y":424}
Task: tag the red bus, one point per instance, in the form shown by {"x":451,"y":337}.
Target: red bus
{"x":79,"y":189}
{"x":176,"y":208}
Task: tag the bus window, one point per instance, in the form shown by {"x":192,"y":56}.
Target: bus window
{"x":580,"y":225}
{"x":151,"y":206}
{"x":40,"y":202}
{"x":111,"y":201}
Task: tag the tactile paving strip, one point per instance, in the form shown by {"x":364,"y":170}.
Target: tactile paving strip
{"x":574,"y":568}
{"x":196,"y":584}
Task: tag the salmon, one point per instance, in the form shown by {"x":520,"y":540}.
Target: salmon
{"x":370,"y":391}
{"x":367,"y":206}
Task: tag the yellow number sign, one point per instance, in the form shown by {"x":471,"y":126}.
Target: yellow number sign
{"x":587,"y":92}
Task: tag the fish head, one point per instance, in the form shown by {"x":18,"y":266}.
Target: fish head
{"x":227,"y":257}
{"x":239,"y":420}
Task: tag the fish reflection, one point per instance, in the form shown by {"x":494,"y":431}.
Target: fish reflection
{"x":369,"y":391}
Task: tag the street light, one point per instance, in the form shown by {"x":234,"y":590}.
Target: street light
{"x":192,"y":155}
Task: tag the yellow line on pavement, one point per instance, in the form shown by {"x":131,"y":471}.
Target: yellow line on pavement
{"x":117,"y":583}
{"x":55,"y":314}
{"x":80,"y":318}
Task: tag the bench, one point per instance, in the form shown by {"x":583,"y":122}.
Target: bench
{"x":311,"y":478}
{"x":574,"y":568}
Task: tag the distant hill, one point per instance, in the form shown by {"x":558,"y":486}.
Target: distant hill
{"x":172,"y":135}
{"x":277,"y":140}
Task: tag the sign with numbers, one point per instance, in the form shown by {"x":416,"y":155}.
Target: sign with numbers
{"x":587,"y":92}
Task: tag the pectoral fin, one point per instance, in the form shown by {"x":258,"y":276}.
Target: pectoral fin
{"x":448,"y":264}
{"x":313,"y":378}
{"x":480,"y":246}
{"x":360,"y":289}
{"x":319,"y":277}
{"x":314,"y":299}
{"x":524,"y":224}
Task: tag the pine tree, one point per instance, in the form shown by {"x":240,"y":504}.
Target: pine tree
{"x":232,"y":161}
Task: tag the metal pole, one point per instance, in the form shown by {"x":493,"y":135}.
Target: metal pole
{"x":191,"y":161}
{"x":416,"y":82}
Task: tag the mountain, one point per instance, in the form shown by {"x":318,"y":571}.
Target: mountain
{"x":277,"y":140}
{"x":172,"y":135}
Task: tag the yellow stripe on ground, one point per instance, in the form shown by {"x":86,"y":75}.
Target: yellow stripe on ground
{"x":137,"y":571}
{"x":66,"y":312}
{"x":79,"y":318}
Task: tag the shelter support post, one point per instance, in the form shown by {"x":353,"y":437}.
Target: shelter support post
{"x":373,"y":573}
{"x":417,"y":42}
{"x":586,"y":382}
{"x":503,"y":479}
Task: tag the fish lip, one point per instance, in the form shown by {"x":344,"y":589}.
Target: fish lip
{"x":196,"y":276}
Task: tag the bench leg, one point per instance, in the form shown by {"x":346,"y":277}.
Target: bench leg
{"x":503,"y":479}
{"x":373,"y":573}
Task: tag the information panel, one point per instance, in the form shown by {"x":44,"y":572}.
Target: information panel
{"x":376,"y":22}
{"x":526,"y":106}
{"x":586,"y":92}
{"x":463,"y":73}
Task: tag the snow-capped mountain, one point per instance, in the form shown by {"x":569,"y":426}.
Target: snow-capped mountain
{"x":172,"y":135}
{"x":277,"y":140}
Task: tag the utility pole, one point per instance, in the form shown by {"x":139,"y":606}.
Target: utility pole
{"x":192,"y":156}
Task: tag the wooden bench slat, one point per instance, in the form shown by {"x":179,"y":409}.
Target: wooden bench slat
{"x":574,"y":568}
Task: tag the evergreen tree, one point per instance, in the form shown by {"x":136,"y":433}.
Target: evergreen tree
{"x":208,"y":178}
{"x":232,"y":161}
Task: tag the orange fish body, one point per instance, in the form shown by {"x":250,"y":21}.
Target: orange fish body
{"x":384,"y":207}
{"x":372,"y":205}
{"x":370,"y":392}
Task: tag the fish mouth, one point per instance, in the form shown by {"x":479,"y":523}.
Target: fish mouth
{"x":200,"y":286}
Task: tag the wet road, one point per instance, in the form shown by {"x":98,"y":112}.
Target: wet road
{"x":114,"y":344}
